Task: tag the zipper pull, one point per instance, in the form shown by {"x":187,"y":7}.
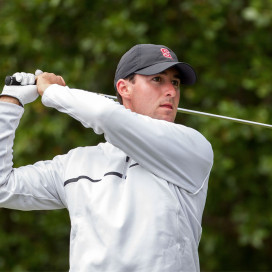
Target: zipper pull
{"x":126,"y":168}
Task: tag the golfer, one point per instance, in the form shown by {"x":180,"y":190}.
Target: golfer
{"x":136,"y":200}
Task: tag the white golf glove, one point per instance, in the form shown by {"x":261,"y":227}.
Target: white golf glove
{"x":26,"y":92}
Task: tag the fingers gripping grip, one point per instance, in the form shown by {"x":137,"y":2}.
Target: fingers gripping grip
{"x":21,"y":86}
{"x":11,"y":80}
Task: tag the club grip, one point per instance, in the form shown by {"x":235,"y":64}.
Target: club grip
{"x":11,"y":80}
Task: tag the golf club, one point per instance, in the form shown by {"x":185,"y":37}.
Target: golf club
{"x":12,"y":81}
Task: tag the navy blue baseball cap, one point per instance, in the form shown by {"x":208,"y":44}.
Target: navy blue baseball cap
{"x":150,"y":59}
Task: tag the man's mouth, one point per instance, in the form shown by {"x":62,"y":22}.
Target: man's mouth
{"x":167,"y":106}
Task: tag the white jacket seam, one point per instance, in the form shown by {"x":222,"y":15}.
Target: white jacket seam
{"x":202,"y":185}
{"x":30,"y":195}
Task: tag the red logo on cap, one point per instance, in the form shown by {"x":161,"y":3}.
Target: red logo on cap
{"x":166,"y":53}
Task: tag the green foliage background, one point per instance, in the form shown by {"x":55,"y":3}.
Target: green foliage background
{"x":229,"y":44}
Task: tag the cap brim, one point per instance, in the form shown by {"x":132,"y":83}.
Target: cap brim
{"x":188,"y":75}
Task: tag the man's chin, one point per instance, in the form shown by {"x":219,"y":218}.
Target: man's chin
{"x":166,"y":114}
{"x":167,"y":118}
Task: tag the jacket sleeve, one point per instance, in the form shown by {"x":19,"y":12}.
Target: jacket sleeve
{"x":176,"y":153}
{"x":32,"y":187}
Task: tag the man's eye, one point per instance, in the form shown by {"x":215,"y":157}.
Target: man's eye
{"x":175,"y":83}
{"x":157,"y":79}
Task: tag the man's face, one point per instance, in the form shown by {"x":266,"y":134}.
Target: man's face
{"x":157,"y":95}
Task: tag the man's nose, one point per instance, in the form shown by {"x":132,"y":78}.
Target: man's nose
{"x":170,"y":90}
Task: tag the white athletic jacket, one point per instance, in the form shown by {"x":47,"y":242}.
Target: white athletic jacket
{"x":135,"y":202}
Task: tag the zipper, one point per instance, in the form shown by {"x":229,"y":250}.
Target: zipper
{"x":125,"y":169}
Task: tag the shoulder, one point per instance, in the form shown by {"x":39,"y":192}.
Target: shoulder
{"x":84,"y":150}
{"x":99,"y":150}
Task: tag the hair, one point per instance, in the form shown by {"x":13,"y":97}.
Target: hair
{"x":130,"y":78}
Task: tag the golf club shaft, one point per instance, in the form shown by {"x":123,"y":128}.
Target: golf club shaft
{"x":193,"y":112}
{"x":12,"y":81}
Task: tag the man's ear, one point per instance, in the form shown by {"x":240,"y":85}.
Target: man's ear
{"x":124,"y":89}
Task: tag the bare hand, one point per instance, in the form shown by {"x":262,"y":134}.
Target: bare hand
{"x":44,"y":80}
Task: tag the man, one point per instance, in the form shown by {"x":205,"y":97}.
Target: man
{"x":136,"y":201}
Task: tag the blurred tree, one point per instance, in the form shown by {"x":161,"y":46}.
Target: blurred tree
{"x":228,"y":43}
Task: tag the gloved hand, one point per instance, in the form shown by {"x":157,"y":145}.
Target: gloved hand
{"x":27,"y":91}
